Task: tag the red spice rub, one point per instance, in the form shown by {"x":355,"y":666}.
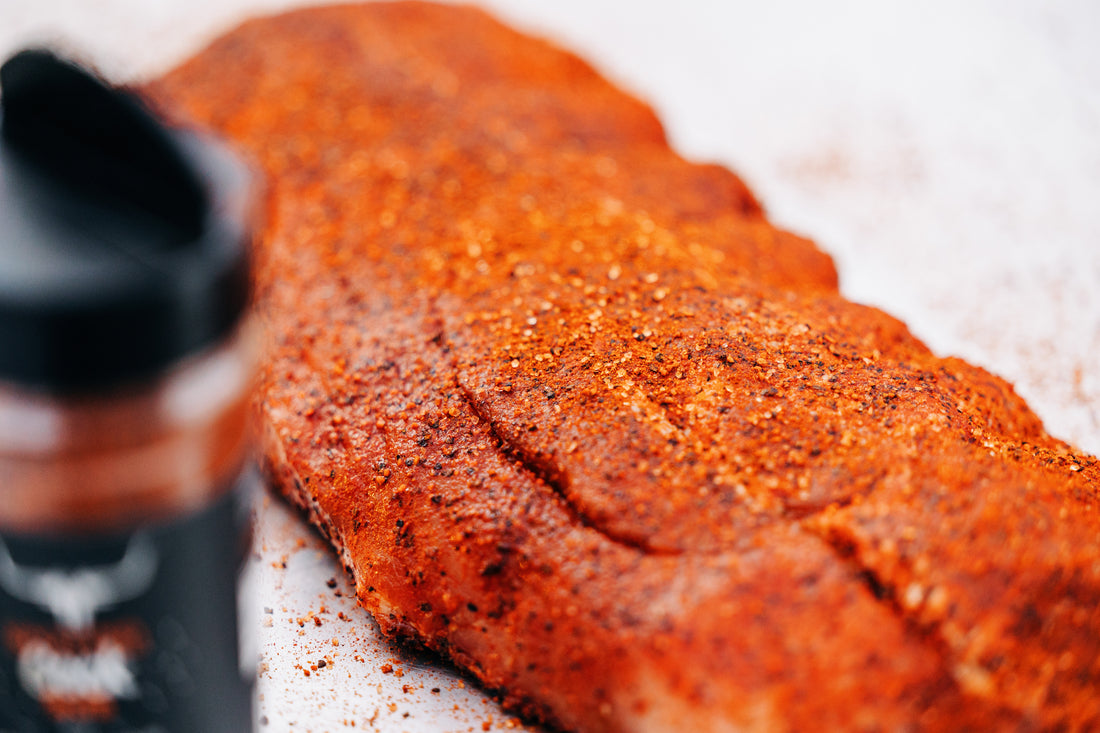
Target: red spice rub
{"x":576,"y":415}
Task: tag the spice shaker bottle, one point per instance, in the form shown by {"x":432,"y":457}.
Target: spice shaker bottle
{"x":125,"y":370}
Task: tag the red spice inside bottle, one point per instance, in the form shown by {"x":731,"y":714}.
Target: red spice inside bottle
{"x":110,"y":461}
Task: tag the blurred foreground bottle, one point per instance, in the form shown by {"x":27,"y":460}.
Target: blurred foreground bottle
{"x":125,"y":370}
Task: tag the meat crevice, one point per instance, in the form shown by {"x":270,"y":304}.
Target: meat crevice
{"x":555,"y":479}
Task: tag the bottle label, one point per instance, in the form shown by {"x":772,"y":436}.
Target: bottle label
{"x":127,"y":633}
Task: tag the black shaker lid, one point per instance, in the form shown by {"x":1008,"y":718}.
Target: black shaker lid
{"x":124,"y":246}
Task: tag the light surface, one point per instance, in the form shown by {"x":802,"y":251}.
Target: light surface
{"x":946,"y":154}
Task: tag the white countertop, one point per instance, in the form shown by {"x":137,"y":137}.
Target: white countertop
{"x":946,"y":153}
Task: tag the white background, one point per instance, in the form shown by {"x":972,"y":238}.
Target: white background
{"x":946,"y":153}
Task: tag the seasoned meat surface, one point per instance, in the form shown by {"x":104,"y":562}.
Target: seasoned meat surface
{"x":576,"y":415}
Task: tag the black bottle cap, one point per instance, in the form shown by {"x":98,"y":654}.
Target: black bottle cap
{"x":124,"y":246}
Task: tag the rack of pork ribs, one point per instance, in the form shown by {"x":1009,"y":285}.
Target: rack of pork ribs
{"x":576,"y":415}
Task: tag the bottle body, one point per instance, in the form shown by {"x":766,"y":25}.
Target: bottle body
{"x":122,"y":535}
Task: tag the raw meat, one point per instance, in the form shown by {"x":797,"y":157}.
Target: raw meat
{"x":576,"y":415}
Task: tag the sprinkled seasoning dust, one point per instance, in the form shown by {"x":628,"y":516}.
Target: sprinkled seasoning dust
{"x":322,"y":658}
